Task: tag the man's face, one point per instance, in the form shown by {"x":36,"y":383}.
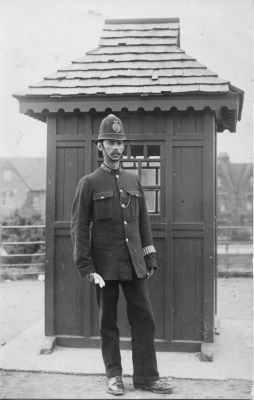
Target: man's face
{"x":114,"y":148}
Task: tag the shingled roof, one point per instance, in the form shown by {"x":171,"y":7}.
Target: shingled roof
{"x":134,"y":57}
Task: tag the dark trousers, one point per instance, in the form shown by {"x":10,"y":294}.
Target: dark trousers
{"x":142,"y":326}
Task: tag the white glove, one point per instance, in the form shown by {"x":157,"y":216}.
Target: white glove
{"x":98,"y":280}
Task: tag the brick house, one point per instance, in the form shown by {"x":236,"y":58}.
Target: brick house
{"x":234,"y":192}
{"x":23,"y":186}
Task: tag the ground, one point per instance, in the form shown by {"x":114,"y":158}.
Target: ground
{"x":45,"y":386}
{"x":22,"y":304}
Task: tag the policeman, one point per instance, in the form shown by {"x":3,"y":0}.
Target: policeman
{"x":113,"y":246}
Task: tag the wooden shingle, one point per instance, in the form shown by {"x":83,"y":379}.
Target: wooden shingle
{"x":133,"y":57}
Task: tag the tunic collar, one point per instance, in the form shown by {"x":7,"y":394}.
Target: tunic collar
{"x":110,"y":170}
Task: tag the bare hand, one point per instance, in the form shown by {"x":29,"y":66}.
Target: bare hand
{"x":150,"y":273}
{"x":98,"y":280}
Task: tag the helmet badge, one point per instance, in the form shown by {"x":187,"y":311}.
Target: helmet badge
{"x":116,"y":127}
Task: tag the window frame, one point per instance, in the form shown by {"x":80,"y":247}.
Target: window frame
{"x":155,"y":217}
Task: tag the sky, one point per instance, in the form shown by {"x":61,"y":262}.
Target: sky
{"x":38,"y":37}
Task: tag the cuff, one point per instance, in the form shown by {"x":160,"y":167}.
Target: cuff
{"x":84,"y":271}
{"x":149,"y":249}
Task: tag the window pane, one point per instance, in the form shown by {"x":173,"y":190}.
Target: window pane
{"x":153,"y":151}
{"x":137,"y":151}
{"x":133,"y":171}
{"x":150,"y":200}
{"x":148,"y":177}
{"x":127,"y":164}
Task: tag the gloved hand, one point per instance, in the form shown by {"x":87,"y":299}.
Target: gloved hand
{"x":98,"y":280}
{"x":150,"y":273}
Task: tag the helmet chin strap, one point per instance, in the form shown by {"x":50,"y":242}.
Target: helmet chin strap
{"x":112,"y":160}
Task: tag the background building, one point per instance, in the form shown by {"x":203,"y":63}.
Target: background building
{"x":234,"y":197}
{"x":23,"y":186}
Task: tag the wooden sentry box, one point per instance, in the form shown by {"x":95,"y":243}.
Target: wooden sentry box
{"x":172,"y":146}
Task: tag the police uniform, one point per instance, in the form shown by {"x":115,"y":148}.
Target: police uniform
{"x":112,"y":236}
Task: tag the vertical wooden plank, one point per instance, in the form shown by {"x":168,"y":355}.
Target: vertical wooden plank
{"x":60,"y":177}
{"x":88,"y":136}
{"x":89,"y":307}
{"x":187,"y":187}
{"x":96,"y":119}
{"x":161,"y":118}
{"x":187,"y":253}
{"x":209,"y":245}
{"x":215,"y":219}
{"x":177,"y":126}
{"x":188,"y":124}
{"x":81,"y":124}
{"x":50,"y":218}
{"x":60,"y":125}
{"x":148,"y":123}
{"x":68,"y":304}
{"x":158,"y":288}
{"x":135,"y":123}
{"x":81,"y":164}
{"x":70,"y":178}
{"x":199,"y":122}
{"x":168,"y":306}
{"x":71,"y":124}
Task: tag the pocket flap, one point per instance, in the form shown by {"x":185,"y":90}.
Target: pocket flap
{"x":102,"y":195}
{"x":134,"y":192}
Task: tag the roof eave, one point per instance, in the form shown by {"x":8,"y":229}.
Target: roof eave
{"x":226,"y":105}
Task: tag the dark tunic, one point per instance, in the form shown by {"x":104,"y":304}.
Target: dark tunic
{"x":110,"y":226}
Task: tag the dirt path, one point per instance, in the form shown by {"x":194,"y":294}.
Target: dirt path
{"x":49,"y":386}
{"x":22,"y":304}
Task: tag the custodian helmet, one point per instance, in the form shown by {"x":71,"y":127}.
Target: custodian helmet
{"x":111,"y":128}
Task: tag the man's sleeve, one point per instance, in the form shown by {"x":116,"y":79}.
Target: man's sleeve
{"x":81,"y":216}
{"x":146,"y":233}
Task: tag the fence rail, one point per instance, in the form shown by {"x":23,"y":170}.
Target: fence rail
{"x":225,"y":246}
{"x":21,"y":266}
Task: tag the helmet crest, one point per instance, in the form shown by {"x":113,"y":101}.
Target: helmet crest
{"x":111,"y":128}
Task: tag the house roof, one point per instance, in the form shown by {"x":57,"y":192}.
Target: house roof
{"x":237,"y":173}
{"x":135,"y":57}
{"x":31,"y":170}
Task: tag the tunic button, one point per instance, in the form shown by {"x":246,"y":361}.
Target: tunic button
{"x":117,"y":176}
{"x":127,"y":239}
{"x":102,"y":197}
{"x":125,"y":222}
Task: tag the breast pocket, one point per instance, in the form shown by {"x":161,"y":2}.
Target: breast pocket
{"x":103,"y":205}
{"x":134,"y":203}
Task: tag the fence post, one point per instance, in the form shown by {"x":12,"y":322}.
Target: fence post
{"x":227,"y":261}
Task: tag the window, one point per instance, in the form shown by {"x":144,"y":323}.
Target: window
{"x":222,"y":202}
{"x":251,"y":181}
{"x":249,"y":203}
{"x":7,"y":198}
{"x":144,"y":160}
{"x":3,"y":197}
{"x":36,"y":201}
{"x":7,"y":175}
{"x":219,"y":181}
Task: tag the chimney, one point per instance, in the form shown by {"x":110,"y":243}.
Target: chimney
{"x":223,"y":158}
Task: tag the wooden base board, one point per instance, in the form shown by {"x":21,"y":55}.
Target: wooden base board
{"x":125,"y":344}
